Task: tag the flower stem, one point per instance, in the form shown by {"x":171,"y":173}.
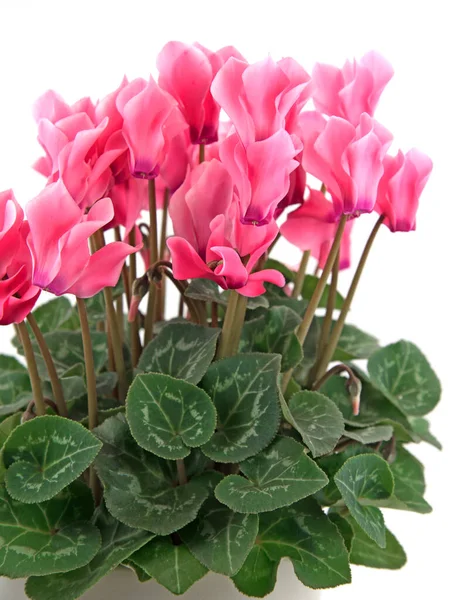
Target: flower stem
{"x":54,"y":379}
{"x":328,"y":319}
{"x":153,"y":247}
{"x":193,"y":306}
{"x":134,"y":325}
{"x":91,"y":385}
{"x":300,"y":275}
{"x":337,"y":329}
{"x":32,"y":369}
{"x":116,"y":343}
{"x":161,"y":295}
{"x":232,"y":325}
{"x":320,"y":287}
{"x":201,"y":153}
{"x":354,"y":385}
{"x":181,"y":469}
{"x":308,"y":317}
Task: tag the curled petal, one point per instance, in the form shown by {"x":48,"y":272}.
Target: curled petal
{"x":255,"y":283}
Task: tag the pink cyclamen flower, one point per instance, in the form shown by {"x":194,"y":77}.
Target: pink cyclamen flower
{"x":17,"y":294}
{"x":313,"y":227}
{"x":150,"y":119}
{"x":260,"y":173}
{"x":347,"y":159}
{"x":257,"y":97}
{"x":405,"y":176}
{"x":353,"y":90}
{"x":210,"y":241}
{"x":296,"y":192}
{"x":59,"y":244}
{"x":186,"y":72}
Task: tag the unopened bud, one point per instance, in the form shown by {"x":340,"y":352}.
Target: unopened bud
{"x":354,"y":388}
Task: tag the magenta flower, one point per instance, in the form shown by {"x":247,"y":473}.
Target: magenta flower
{"x":150,"y":119}
{"x":347,"y":159}
{"x":313,"y":227}
{"x":404,"y":178}
{"x":59,"y":244}
{"x":17,"y":294}
{"x":186,"y":72}
{"x":210,"y":240}
{"x":353,"y":90}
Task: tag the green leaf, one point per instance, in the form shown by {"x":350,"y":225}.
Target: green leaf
{"x":274,"y":333}
{"x":7,"y":426}
{"x":303,"y":533}
{"x":15,"y":391}
{"x":220,"y":538}
{"x":168,"y":416}
{"x":173,"y":566}
{"x":140,"y":573}
{"x":51,"y":315}
{"x":365,"y":479}
{"x":366,"y":552}
{"x":308,"y":290}
{"x":50,"y":537}
{"x":278,"y":476}
{"x":371,"y":435}
{"x":44,"y":455}
{"x":271,"y":263}
{"x":9,"y":363}
{"x":258,"y":575}
{"x":139,"y":488}
{"x":421,"y":427}
{"x":344,"y":527}
{"x":182,"y":350}
{"x":409,"y":483}
{"x":244,"y":389}
{"x":310,"y":347}
{"x":404,"y":375}
{"x":66,"y":348}
{"x":317,"y":419}
{"x":354,"y":344}
{"x":118,"y":543}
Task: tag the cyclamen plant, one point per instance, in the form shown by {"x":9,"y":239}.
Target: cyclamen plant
{"x":219,"y":439}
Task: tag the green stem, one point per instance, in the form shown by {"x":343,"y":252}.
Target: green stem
{"x":163,"y":235}
{"x":300,"y":275}
{"x":337,"y":329}
{"x":181,"y":469}
{"x":320,"y":287}
{"x":32,"y":369}
{"x":91,"y":386}
{"x":201,"y":153}
{"x":134,"y":325}
{"x":58,"y":393}
{"x":153,"y":247}
{"x":116,"y":343}
{"x":308,"y":317}
{"x":194,"y":308}
{"x":328,"y":319}
{"x":232,"y":325}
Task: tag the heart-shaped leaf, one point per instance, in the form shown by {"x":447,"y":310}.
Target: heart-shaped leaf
{"x":274,"y":332}
{"x":309,"y":287}
{"x":51,"y":315}
{"x":278,"y":476}
{"x":244,"y":390}
{"x":139,"y":488}
{"x":50,"y":537}
{"x":363,"y":480}
{"x":9,"y":364}
{"x":344,"y":527}
{"x":168,"y":416}
{"x":173,"y":566}
{"x":7,"y":426}
{"x":421,"y":427}
{"x":118,"y":543}
{"x":354,"y":344}
{"x":317,"y":419}
{"x":183,"y":350}
{"x":303,"y":533}
{"x":44,"y":455}
{"x":366,"y":552}
{"x":371,"y":435}
{"x":208,"y":291}
{"x":220,"y":538}
{"x":15,"y":391}
{"x":404,"y":375}
{"x":258,"y":575}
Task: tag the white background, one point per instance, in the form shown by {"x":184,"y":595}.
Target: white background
{"x":84,"y":47}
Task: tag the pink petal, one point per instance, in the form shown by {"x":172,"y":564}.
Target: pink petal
{"x":255,"y":284}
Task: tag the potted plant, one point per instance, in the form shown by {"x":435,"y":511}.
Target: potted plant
{"x":244,"y":428}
